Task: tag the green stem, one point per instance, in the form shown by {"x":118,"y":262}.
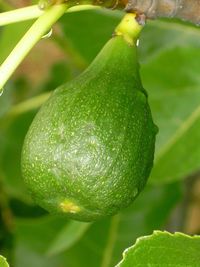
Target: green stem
{"x":33,"y":12}
{"x":20,"y":14}
{"x":129,"y":28}
{"x":42,"y":25}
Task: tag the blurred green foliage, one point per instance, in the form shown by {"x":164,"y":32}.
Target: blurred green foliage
{"x":169,"y":54}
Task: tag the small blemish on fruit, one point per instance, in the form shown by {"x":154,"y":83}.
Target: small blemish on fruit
{"x":69,"y":206}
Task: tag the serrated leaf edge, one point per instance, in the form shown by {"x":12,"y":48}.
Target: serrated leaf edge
{"x":155,"y":232}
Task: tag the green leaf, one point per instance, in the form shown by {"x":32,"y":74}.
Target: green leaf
{"x":67,"y":237}
{"x":159,"y":36}
{"x":163,"y":249}
{"x":3,"y":262}
{"x":170,"y":74}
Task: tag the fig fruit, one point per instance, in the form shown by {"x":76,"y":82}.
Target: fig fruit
{"x":89,"y":150}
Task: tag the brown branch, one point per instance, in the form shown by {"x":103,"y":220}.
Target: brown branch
{"x":184,"y":9}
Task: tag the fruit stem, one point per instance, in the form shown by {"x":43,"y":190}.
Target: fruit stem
{"x":129,"y":28}
{"x":42,"y":25}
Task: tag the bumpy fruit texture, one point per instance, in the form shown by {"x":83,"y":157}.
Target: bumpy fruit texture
{"x":90,"y":148}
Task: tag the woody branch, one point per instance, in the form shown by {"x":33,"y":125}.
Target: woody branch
{"x":184,"y":9}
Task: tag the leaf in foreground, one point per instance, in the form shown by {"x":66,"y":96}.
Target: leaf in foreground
{"x":163,"y":249}
{"x":3,"y":262}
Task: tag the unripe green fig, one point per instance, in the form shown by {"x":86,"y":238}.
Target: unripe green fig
{"x":89,"y":150}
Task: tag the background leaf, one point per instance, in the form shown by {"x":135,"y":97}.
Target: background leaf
{"x":87,"y":36}
{"x":67,"y":237}
{"x":170,"y":73}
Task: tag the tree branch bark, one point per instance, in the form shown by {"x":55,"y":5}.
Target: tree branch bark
{"x":184,"y":9}
{"x":188,"y":10}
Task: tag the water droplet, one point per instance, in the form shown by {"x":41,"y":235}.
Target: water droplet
{"x":47,"y":35}
{"x":137,"y":42}
{"x":1,"y":91}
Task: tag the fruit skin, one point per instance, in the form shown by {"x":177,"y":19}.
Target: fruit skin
{"x":90,"y":148}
